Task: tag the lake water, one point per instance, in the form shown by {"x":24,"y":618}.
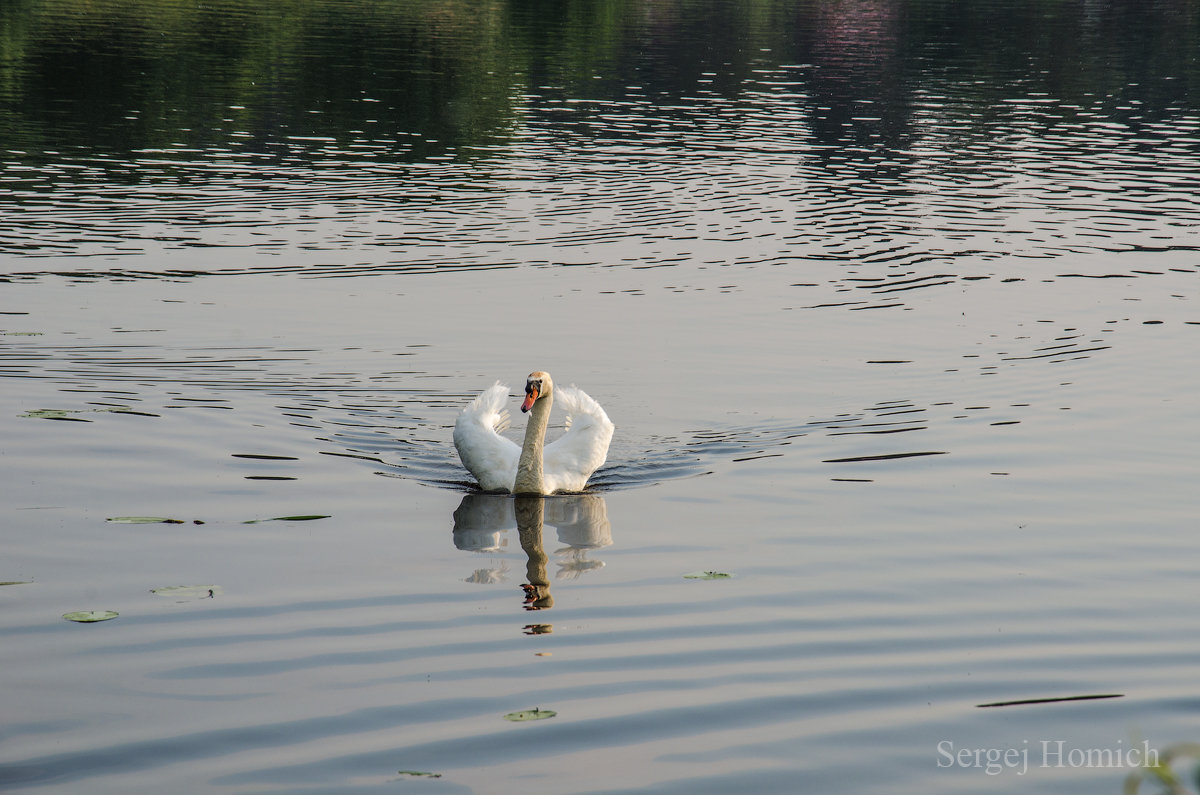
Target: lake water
{"x":893,"y":304}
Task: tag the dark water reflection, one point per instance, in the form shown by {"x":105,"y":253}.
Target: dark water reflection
{"x":405,"y":81}
{"x":877,"y":148}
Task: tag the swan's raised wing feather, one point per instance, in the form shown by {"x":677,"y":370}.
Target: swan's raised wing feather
{"x":488,"y":456}
{"x":572,"y":458}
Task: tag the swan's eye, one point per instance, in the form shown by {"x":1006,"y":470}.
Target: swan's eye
{"x":533,"y":386}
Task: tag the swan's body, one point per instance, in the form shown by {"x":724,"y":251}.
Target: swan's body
{"x":535,"y":467}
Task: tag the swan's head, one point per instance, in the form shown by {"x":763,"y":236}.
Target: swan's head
{"x":538,"y":385}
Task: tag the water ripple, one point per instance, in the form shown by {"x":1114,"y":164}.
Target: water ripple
{"x":398,"y":423}
{"x":745,"y":191}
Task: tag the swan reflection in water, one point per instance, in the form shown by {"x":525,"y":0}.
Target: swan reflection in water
{"x":581,"y":520}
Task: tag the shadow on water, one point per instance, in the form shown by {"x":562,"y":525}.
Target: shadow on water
{"x":482,"y":522}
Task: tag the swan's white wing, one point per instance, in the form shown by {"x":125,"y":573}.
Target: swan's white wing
{"x":572,"y":458}
{"x":488,"y":456}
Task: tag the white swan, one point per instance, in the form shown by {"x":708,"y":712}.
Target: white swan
{"x":534,"y":468}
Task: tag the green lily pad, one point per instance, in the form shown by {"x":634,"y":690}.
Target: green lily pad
{"x":54,"y":414}
{"x":530,"y":714}
{"x":304,"y":518}
{"x":188,"y":591}
{"x":40,"y":414}
{"x":143,"y":520}
{"x":68,"y":414}
{"x":707,"y":575}
{"x":90,"y":616}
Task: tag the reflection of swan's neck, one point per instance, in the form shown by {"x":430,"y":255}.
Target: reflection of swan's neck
{"x":530,"y":512}
{"x":529,"y":467}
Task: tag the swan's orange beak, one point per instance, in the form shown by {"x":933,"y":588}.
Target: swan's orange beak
{"x":530,"y":397}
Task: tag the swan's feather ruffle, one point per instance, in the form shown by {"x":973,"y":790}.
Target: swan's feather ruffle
{"x":571,"y":459}
{"x":488,"y":456}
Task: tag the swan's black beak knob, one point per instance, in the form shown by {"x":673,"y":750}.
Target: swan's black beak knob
{"x":531,"y":395}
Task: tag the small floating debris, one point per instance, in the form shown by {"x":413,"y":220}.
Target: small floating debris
{"x":537,"y":713}
{"x":418,"y":774}
{"x":144,"y":520}
{"x":1024,"y":701}
{"x":90,"y":616}
{"x":265,"y":457}
{"x":707,"y":575}
{"x":185,"y":592}
{"x":756,"y":457}
{"x":885,"y":457}
{"x":303,"y":518}
{"x":16,"y":582}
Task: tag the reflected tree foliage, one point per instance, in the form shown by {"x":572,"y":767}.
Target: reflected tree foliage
{"x":260,"y":76}
{"x":411,"y":79}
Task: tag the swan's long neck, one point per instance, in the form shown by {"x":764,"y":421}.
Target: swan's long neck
{"x":529,"y":468}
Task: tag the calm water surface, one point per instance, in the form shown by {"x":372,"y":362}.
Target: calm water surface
{"x":894,"y":306}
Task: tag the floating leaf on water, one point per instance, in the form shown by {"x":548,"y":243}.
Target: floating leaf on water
{"x":188,"y":591}
{"x":305,"y":518}
{"x":17,"y":582}
{"x":707,"y":575}
{"x":45,"y":413}
{"x":54,"y":414}
{"x":143,"y":520}
{"x":418,"y":774}
{"x":90,"y":616}
{"x":66,"y":414}
{"x":530,"y":714}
